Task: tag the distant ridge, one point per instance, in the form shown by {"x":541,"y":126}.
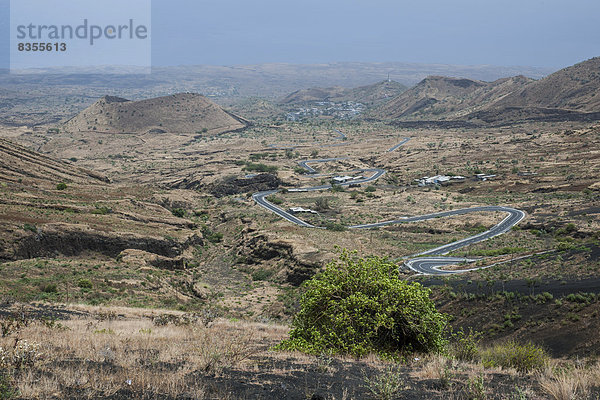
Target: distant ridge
{"x":369,"y":95}
{"x":178,"y":113}
{"x":572,"y":93}
{"x":574,"y":88}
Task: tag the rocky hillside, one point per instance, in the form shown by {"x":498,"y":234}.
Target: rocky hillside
{"x":368,"y":95}
{"x":50,"y":207}
{"x":569,"y":94}
{"x":20,"y":165}
{"x":575,"y":88}
{"x":179,"y":113}
{"x":439,"y":97}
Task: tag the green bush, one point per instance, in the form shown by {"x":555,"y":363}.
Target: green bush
{"x":322,"y":204}
{"x":49,"y":288}
{"x":30,"y":228}
{"x":333,"y":226}
{"x":261,"y":275}
{"x":253,"y":167}
{"x":300,"y":170}
{"x":101,"y":210}
{"x":522,"y":357}
{"x":61,"y":186}
{"x":387,"y":384}
{"x":178,"y":212}
{"x":360,"y":305}
{"x":275,"y":200}
{"x":497,"y":252}
{"x":7,"y":391}
{"x":85,"y":284}
{"x":211,"y":236}
{"x":465,"y":346}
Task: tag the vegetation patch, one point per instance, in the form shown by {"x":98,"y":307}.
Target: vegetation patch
{"x":522,"y":357}
{"x":359,"y":306}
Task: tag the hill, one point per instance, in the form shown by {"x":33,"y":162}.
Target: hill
{"x":314,"y":94}
{"x":179,"y":113}
{"x":256,"y":108}
{"x":20,"y":165}
{"x":369,"y":95}
{"x":567,"y":95}
{"x":574,"y":88}
{"x":438,"y":97}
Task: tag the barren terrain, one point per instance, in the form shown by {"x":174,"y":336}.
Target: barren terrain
{"x":126,"y":251}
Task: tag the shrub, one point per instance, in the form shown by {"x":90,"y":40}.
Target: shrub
{"x":370,"y":189}
{"x":211,"y":236}
{"x":333,"y":226}
{"x":30,"y":228}
{"x":476,"y":388}
{"x":23,"y":354}
{"x":7,"y":391}
{"x":101,"y":210}
{"x":275,"y":200}
{"x":253,"y":167}
{"x":522,"y":357}
{"x":386,"y":385}
{"x":49,"y":288}
{"x":61,"y":186}
{"x":464,"y":346}
{"x":300,"y":170}
{"x":178,"y":212}
{"x":360,"y":305}
{"x":261,"y":275}
{"x":85,"y":284}
{"x":322,"y":204}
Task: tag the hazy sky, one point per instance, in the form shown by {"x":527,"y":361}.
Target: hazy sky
{"x":547,"y":33}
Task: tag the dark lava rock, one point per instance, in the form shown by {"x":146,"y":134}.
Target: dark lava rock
{"x":256,"y":183}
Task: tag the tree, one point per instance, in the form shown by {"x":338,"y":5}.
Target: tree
{"x":360,"y":305}
{"x":322,"y":204}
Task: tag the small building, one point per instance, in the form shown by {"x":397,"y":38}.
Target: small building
{"x":295,"y":210}
{"x":485,"y":177}
{"x":346,"y":179}
{"x":440,"y":180}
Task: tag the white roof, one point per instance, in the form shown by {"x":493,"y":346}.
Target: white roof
{"x":300,"y":209}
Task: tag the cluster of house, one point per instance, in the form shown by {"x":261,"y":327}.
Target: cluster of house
{"x":439,"y":180}
{"x":446,"y":180}
{"x":346,"y":110}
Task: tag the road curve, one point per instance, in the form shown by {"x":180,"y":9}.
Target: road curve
{"x":304,"y":163}
{"x":428,"y":262}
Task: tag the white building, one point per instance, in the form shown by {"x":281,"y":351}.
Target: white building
{"x":345,"y":179}
{"x":295,"y":210}
{"x":439,"y":180}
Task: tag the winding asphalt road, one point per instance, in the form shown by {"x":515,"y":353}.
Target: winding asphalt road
{"x":428,"y":262}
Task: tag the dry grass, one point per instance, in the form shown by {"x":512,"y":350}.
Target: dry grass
{"x":99,"y":357}
{"x":569,"y":384}
{"x":434,"y":367}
